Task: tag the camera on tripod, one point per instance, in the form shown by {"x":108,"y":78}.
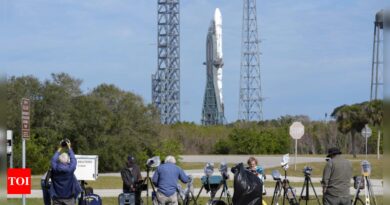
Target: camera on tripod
{"x":223,"y":169}
{"x":307,"y":170}
{"x":153,"y":162}
{"x":276,"y":175}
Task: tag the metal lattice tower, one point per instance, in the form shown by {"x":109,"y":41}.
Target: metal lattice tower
{"x":251,"y":101}
{"x":377,"y":70}
{"x":166,"y":81}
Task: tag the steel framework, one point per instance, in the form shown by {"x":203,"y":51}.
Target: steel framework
{"x":251,"y":101}
{"x":377,"y":57}
{"x":166,"y":81}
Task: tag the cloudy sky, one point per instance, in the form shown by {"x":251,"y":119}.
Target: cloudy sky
{"x":316,"y":55}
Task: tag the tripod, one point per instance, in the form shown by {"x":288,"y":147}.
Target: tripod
{"x":147,"y":181}
{"x":188,"y":194}
{"x":364,"y":183}
{"x":305,"y":189}
{"x":288,"y":192}
{"x":225,"y":191}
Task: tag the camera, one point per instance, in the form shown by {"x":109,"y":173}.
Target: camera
{"x":209,"y":169}
{"x":64,"y":142}
{"x":307,"y":170}
{"x":276,"y":175}
{"x":224,"y":170}
{"x":285,"y":161}
{"x":153,"y":162}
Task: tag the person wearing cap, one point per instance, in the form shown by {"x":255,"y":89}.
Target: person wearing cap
{"x":64,"y":188}
{"x":336,"y":179}
{"x":165,"y":179}
{"x":131,"y":176}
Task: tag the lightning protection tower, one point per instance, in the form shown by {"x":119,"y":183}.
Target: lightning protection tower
{"x":166,"y":81}
{"x":250,"y":105}
{"x":377,"y":68}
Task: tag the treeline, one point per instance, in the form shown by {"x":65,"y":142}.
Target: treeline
{"x":113,"y":123}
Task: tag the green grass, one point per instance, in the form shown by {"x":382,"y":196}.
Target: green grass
{"x":318,"y":167}
{"x":114,"y":201}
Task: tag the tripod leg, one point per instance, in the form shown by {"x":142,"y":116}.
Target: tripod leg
{"x":193,"y":198}
{"x":371,"y":191}
{"x":314,"y":190}
{"x":197,"y":197}
{"x":276,"y":192}
{"x":303,"y":189}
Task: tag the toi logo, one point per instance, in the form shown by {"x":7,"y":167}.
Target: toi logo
{"x":19,"y":181}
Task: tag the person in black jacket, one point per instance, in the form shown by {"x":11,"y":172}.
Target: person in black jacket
{"x":131,"y":176}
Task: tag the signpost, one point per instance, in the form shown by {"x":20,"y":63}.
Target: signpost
{"x":25,"y":133}
{"x":9,"y":148}
{"x":366,"y":133}
{"x":297,"y":130}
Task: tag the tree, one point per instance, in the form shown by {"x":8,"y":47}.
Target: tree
{"x":374,"y":111}
{"x":350,"y":119}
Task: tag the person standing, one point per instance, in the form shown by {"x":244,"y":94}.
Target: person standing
{"x":257,"y":170}
{"x":336,"y":179}
{"x":64,"y":187}
{"x":131,"y":177}
{"x":165,"y":179}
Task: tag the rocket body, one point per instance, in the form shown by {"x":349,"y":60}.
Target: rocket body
{"x":213,"y":106}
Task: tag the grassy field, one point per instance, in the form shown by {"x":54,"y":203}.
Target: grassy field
{"x":377,"y":171}
{"x":114,"y":201}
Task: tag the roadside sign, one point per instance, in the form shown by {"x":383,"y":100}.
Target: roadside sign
{"x":87,"y":167}
{"x":25,"y":118}
{"x":297,"y":130}
{"x":366,"y":131}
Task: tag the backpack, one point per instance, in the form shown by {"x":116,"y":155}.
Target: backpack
{"x":92,"y":199}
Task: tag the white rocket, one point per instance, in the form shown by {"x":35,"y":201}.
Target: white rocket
{"x":213,"y":106}
{"x":219,"y":55}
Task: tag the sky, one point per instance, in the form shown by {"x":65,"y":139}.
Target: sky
{"x":315,"y":55}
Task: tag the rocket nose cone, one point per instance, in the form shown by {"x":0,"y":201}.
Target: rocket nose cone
{"x":217,"y":16}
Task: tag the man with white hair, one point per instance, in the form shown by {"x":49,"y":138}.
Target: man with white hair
{"x":64,"y":188}
{"x":165,"y":179}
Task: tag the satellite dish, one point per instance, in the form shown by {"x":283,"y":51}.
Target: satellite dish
{"x":154,"y":161}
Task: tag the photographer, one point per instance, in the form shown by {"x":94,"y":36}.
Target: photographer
{"x":257,"y":170}
{"x":131,"y":177}
{"x":165,"y":179}
{"x":64,"y":188}
{"x":336,"y":179}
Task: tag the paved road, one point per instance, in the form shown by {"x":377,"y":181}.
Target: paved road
{"x":265,"y":161}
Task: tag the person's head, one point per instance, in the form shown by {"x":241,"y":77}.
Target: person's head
{"x":130,"y":160}
{"x":64,"y":158}
{"x":252,"y":162}
{"x":170,"y":159}
{"x":332,"y":152}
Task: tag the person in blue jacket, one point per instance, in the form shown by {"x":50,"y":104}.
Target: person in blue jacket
{"x":165,"y":178}
{"x":64,"y":188}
